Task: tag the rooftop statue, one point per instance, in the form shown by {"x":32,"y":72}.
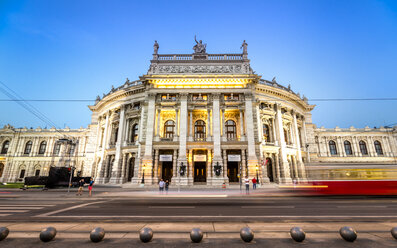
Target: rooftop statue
{"x":244,"y":47}
{"x":199,"y":47}
{"x":155,"y":47}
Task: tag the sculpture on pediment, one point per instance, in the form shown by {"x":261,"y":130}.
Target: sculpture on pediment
{"x":155,"y":47}
{"x":199,"y":47}
{"x":97,"y":99}
{"x":244,"y":47}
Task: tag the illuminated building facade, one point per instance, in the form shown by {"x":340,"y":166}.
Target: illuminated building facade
{"x":197,"y":119}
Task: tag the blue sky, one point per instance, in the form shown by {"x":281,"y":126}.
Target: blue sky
{"x":77,"y":49}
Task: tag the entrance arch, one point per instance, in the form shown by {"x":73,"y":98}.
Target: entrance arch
{"x":131,"y":165}
{"x":269,"y":166}
{"x":1,"y":169}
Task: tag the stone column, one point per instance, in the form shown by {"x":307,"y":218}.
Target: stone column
{"x":148,"y":157}
{"x":223,"y":124}
{"x":300,"y":165}
{"x":259,"y":123}
{"x":242,"y":137}
{"x":355,"y":147}
{"x":244,"y":165}
{"x":225,"y":165}
{"x":274,"y":136}
{"x":101,"y":166}
{"x":209,"y":171}
{"x":370,"y":147}
{"x":174,"y":167}
{"x":191,"y":172}
{"x":156,"y":165}
{"x":182,"y":139}
{"x":217,"y":139}
{"x":158,"y":122}
{"x":249,"y":124}
{"x":283,"y":163}
{"x":140,"y":138}
{"x":176,"y":123}
{"x":190,"y":126}
{"x":208,"y":130}
{"x":123,"y":168}
{"x":116,"y":170}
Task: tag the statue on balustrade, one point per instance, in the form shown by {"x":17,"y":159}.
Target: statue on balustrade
{"x":244,"y":47}
{"x":155,"y":47}
{"x":199,"y":47}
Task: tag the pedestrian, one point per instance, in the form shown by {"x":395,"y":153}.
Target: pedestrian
{"x":161,"y":185}
{"x":81,"y":185}
{"x":167,"y":184}
{"x":254,"y":183}
{"x":247,"y":185}
{"x":90,"y":186}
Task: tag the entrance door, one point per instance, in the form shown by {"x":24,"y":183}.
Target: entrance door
{"x":232,"y":172}
{"x":166,"y":170}
{"x":200,"y":171}
{"x":270,"y":170}
{"x":1,"y":169}
{"x":131,"y":169}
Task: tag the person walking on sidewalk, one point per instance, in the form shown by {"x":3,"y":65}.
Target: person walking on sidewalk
{"x":167,"y":184}
{"x":90,"y":186}
{"x":254,"y":183}
{"x":247,"y":185}
{"x":81,"y":185}
{"x":161,"y":185}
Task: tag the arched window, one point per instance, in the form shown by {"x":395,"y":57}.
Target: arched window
{"x":134,"y":133}
{"x":348,"y":147}
{"x":286,"y":136}
{"x":28,"y":147}
{"x":1,"y":169}
{"x":332,"y":147}
{"x":363,"y":147}
{"x":57,"y":148}
{"x":266,"y":133}
{"x":72,"y":149}
{"x":378,"y":147}
{"x":116,"y":132}
{"x":169,"y":127}
{"x":199,"y":130}
{"x":22,"y":173}
{"x":230,"y":129}
{"x":4,"y":149}
{"x":42,"y":147}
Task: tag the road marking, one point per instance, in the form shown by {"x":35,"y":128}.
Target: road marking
{"x":361,"y":206}
{"x":224,"y":216}
{"x":268,"y":207}
{"x":172,"y":207}
{"x":13,"y":211}
{"x":189,"y":196}
{"x":21,"y":207}
{"x":67,"y":209}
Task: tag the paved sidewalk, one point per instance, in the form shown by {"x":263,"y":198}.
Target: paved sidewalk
{"x":219,"y":234}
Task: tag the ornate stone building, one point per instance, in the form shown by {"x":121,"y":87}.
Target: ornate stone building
{"x":195,"y":119}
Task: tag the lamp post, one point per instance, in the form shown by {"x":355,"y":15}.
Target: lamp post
{"x":143,"y":175}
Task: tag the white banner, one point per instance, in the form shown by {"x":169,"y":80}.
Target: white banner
{"x":200,"y":158}
{"x":165,"y":158}
{"x":233,"y":158}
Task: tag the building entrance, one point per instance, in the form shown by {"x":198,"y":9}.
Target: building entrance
{"x":269,"y":169}
{"x":200,"y":171}
{"x":166,"y":170}
{"x":232,"y":172}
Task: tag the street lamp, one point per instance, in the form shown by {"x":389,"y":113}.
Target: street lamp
{"x":70,"y":177}
{"x":143,"y":174}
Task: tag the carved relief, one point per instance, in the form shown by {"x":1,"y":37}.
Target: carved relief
{"x":158,"y":69}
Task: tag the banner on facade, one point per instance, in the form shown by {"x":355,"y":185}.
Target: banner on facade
{"x":165,"y":158}
{"x":200,"y":158}
{"x":233,"y":158}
